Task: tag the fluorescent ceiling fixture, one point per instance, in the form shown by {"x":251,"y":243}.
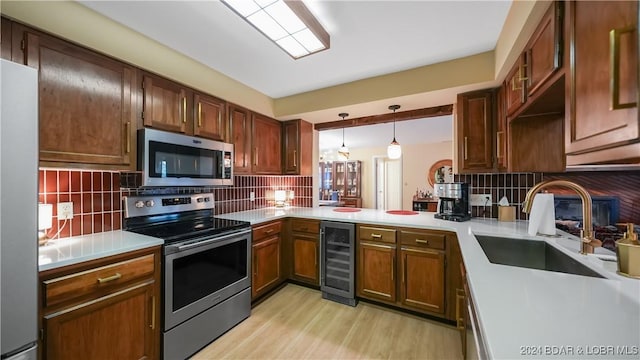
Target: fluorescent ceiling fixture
{"x":288,"y":23}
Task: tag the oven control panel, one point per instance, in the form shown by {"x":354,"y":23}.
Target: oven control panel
{"x":162,"y":204}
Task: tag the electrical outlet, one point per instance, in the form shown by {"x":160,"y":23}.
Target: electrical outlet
{"x":252,"y":196}
{"x":480,"y":199}
{"x":65,"y":210}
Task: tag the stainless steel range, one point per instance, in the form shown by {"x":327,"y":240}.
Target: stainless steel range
{"x":206,"y":267}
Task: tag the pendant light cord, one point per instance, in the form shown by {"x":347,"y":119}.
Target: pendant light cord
{"x":343,"y":136}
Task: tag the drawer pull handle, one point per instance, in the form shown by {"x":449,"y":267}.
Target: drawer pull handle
{"x":269,"y":231}
{"x":115,"y":276}
{"x":420,"y":241}
{"x":376,"y":236}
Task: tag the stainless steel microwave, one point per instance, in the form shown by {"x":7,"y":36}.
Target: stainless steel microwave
{"x":169,"y":159}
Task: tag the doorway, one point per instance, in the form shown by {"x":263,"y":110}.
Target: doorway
{"x":388,"y":183}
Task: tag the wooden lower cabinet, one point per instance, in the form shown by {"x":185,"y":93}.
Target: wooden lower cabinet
{"x":102,"y":309}
{"x":422,"y":283}
{"x":266,"y":265}
{"x":407,"y":268}
{"x":266,"y":255}
{"x":305,"y":258}
{"x":376,"y":271}
{"x":118,"y":326}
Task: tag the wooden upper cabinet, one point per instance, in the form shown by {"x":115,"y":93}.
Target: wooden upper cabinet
{"x":475,"y":131}
{"x":209,"y":118}
{"x":265,"y":137}
{"x":240,"y":137}
{"x":514,"y":87}
{"x":501,"y":132}
{"x":544,"y":49}
{"x":602,"y":122}
{"x":297,"y":147}
{"x":85,"y":103}
{"x":5,"y":38}
{"x":165,"y":104}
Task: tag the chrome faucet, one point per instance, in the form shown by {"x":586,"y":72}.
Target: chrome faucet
{"x":588,"y":242}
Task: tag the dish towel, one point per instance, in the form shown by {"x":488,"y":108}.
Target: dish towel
{"x":542,"y":219}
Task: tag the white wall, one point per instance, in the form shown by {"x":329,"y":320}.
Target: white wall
{"x":416,"y":161}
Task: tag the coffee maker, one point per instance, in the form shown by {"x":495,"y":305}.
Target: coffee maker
{"x":453,"y":203}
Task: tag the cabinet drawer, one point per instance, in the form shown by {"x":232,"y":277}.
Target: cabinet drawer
{"x":305,"y":226}
{"x":84,"y":283}
{"x":266,"y":230}
{"x":377,"y":234}
{"x":432,"y":240}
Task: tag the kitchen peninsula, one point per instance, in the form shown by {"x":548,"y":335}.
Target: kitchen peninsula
{"x":521,"y":312}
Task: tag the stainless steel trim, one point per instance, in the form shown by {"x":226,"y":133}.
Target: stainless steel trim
{"x":198,"y":202}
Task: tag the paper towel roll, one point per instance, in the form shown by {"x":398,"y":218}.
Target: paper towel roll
{"x":542,"y":218}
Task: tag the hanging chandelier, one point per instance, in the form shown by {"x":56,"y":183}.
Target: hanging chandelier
{"x":343,"y":152}
{"x":394,"y":151}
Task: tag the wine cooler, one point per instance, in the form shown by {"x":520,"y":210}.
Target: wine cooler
{"x":337,"y":262}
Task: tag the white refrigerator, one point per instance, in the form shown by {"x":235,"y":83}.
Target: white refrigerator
{"x":18,"y":211}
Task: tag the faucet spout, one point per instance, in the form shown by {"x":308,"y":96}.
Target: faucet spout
{"x":588,"y":242}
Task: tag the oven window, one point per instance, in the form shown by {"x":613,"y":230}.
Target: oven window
{"x":169,"y":160}
{"x":203,"y":273}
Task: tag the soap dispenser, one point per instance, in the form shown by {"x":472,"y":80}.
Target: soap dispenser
{"x":628,"y":251}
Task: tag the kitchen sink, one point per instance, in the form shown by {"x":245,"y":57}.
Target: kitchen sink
{"x":532,"y":254}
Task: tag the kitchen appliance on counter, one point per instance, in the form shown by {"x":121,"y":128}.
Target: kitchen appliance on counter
{"x":453,"y":201}
{"x":206,"y":267}
{"x":337,"y":262}
{"x":169,"y":159}
{"x":18,"y":211}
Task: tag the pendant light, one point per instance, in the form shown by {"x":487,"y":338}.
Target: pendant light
{"x":394,"y":151}
{"x":343,"y":152}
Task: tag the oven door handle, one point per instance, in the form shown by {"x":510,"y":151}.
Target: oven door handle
{"x":217,"y":239}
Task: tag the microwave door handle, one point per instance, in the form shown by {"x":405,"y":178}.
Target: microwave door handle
{"x":222,"y":174}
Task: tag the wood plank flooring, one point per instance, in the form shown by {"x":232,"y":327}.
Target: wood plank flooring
{"x":296,"y":323}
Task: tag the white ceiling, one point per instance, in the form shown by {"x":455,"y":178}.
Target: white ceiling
{"x":420,"y":131}
{"x":368,"y":38}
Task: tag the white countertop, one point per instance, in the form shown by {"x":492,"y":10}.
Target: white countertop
{"x":523,"y":313}
{"x":77,"y":249}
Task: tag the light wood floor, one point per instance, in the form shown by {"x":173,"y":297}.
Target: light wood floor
{"x":296,"y":323}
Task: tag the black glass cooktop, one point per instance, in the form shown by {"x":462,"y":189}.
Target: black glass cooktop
{"x":179,"y":230}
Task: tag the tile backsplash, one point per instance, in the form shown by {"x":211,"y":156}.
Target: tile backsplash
{"x":97,"y":196}
{"x":237,"y":197}
{"x":625,"y":185}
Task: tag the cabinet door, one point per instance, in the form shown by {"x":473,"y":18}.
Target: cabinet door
{"x":422,"y":279}
{"x":240,"y":136}
{"x":5,"y":38}
{"x":209,"y":117}
{"x":291,"y":147}
{"x":164,"y":104}
{"x":266,"y":134}
{"x":352,"y":178}
{"x":376,"y":271}
{"x":305,"y":258}
{"x":515,"y":86}
{"x":120,"y":326}
{"x":604,"y":83}
{"x":85,"y":102}
{"x":266,"y":265}
{"x":501,"y":132}
{"x":475,"y":136}
{"x":297,"y":147}
{"x":543,"y":50}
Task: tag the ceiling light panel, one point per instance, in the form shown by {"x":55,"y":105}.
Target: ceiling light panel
{"x":287,"y":23}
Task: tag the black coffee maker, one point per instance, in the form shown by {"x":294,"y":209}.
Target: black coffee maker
{"x":453,"y":203}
